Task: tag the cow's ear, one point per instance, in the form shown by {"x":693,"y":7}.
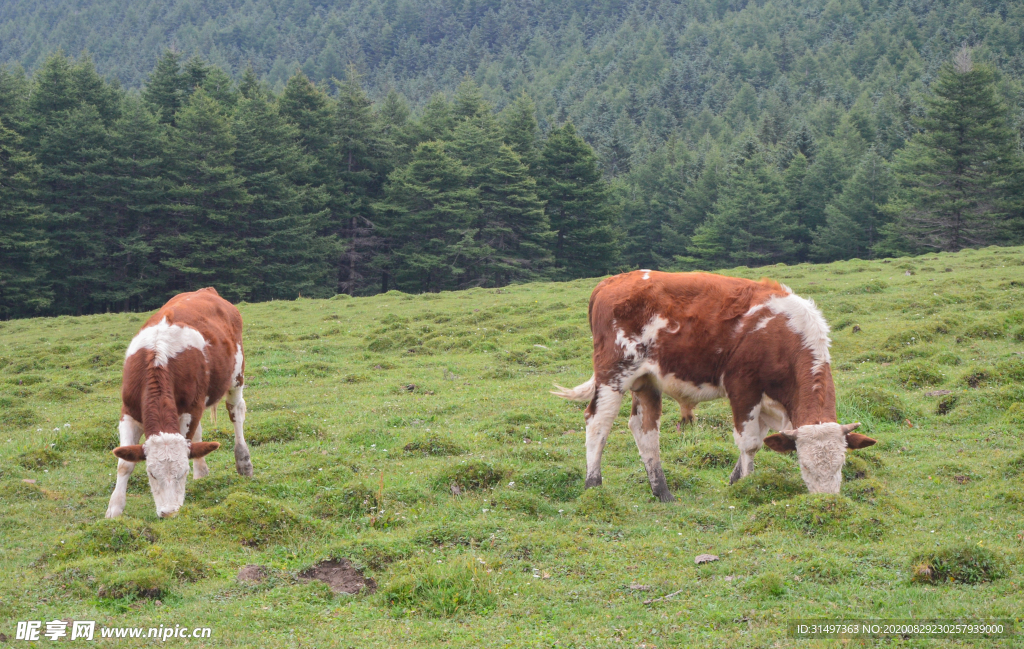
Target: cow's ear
{"x":856,"y":440}
{"x":780,"y":442}
{"x":131,"y":453}
{"x":202,"y":449}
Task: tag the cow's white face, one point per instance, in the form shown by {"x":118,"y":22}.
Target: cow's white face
{"x":821,"y":451}
{"x":166,"y":456}
{"x":167,"y":466}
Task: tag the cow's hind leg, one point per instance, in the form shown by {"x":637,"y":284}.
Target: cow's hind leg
{"x":130,"y":432}
{"x":749,"y":433}
{"x":600,"y":416}
{"x":645,"y":422}
{"x":236,"y":412}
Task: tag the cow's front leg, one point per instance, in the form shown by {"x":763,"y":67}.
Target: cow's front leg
{"x":236,"y":412}
{"x":129,"y":432}
{"x":600,"y":416}
{"x":645,"y":422}
{"x":749,"y":435}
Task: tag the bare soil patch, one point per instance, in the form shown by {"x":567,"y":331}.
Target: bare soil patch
{"x":341,"y":576}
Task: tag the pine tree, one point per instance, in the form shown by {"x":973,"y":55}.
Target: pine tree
{"x":854,"y":220}
{"x":958,"y":175}
{"x":651,"y":219}
{"x":310,"y":110}
{"x":427,"y":216}
{"x":519,"y":129}
{"x":578,"y":206}
{"x":437,"y":121}
{"x":24,"y":250}
{"x":198,"y":244}
{"x":167,"y":87}
{"x":749,"y":225}
{"x":137,"y":205}
{"x":280,"y":224}
{"x":823,"y":182}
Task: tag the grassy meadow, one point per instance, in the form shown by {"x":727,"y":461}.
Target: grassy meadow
{"x":363,"y":414}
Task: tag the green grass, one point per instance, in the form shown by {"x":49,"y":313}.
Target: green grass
{"x":363,"y":413}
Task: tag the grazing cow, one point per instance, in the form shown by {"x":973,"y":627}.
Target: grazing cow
{"x":698,"y":337}
{"x":185,"y":358}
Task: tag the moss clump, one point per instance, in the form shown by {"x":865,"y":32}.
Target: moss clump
{"x":707,"y":455}
{"x":178,"y":563}
{"x":526,"y":503}
{"x":41,"y":458}
{"x":966,"y":564}
{"x":855,"y":468}
{"x":354,"y":499}
{"x":471,"y":476}
{"x":768,"y":484}
{"x":107,"y":536}
{"x":947,"y":358}
{"x":814,"y":515}
{"x":902,"y":339}
{"x":143,"y":582}
{"x":770,"y":584}
{"x":557,"y":482}
{"x":879,"y":404}
{"x":863,"y":491}
{"x":918,"y":375}
{"x":17,"y":417}
{"x":977,"y":378}
{"x":434,"y":445}
{"x":253,"y":521}
{"x":448,"y":590}
{"x":600,"y":505}
{"x":946,"y":404}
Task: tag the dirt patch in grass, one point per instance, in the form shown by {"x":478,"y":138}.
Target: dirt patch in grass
{"x":966,"y":564}
{"x":253,"y":574}
{"x":340,"y":575}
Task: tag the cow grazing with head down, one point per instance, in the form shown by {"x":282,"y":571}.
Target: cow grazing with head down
{"x":698,"y":337}
{"x":185,"y":358}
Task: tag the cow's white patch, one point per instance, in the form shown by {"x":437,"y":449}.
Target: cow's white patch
{"x":238,"y":365}
{"x":648,"y":335}
{"x":646,"y":272}
{"x":749,"y":439}
{"x":166,"y":341}
{"x":129,"y":432}
{"x":805,"y":320}
{"x":821,"y":450}
{"x":167,"y":466}
{"x":762,"y":323}
{"x":774,"y":415}
{"x":688,"y":392}
{"x":598,"y":427}
{"x":184,"y":421}
{"x":582,"y":392}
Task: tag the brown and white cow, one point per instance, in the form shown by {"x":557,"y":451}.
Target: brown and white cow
{"x":698,"y":337}
{"x":185,"y":358}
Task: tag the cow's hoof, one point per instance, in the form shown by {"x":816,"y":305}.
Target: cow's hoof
{"x":200,"y":472}
{"x":112,"y":513}
{"x":666,"y":497}
{"x":592,"y":482}
{"x":244,"y":469}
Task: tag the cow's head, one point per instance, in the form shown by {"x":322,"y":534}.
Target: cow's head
{"x":166,"y":456}
{"x":821,"y":449}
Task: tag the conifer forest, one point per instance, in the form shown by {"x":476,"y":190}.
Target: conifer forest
{"x":279,"y":149}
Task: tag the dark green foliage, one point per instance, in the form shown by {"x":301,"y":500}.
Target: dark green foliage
{"x":966,"y":564}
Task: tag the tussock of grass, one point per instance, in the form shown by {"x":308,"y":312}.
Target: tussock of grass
{"x":879,"y":404}
{"x":353,"y":499}
{"x":558,"y":482}
{"x":373,"y":550}
{"x":814,"y":515}
{"x":472,"y":476}
{"x":106,"y":536}
{"x":863,"y":491}
{"x":919,"y":375}
{"x":899,"y":340}
{"x":275,"y":427}
{"x":456,"y":588}
{"x":825,"y":569}
{"x":253,"y":521}
{"x":525,"y":503}
{"x":180,"y":564}
{"x":18,"y":490}
{"x":141,"y":582}
{"x":766,"y":484}
{"x":706,"y":455}
{"x":967,"y":564}
{"x":40,"y":458}
{"x":599,"y":504}
{"x":855,"y":467}
{"x":769,"y":584}
{"x":434,"y":445}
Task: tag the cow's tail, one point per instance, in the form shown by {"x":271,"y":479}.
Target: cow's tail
{"x":583,"y":392}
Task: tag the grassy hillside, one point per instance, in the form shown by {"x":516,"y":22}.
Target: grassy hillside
{"x":364,"y":411}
